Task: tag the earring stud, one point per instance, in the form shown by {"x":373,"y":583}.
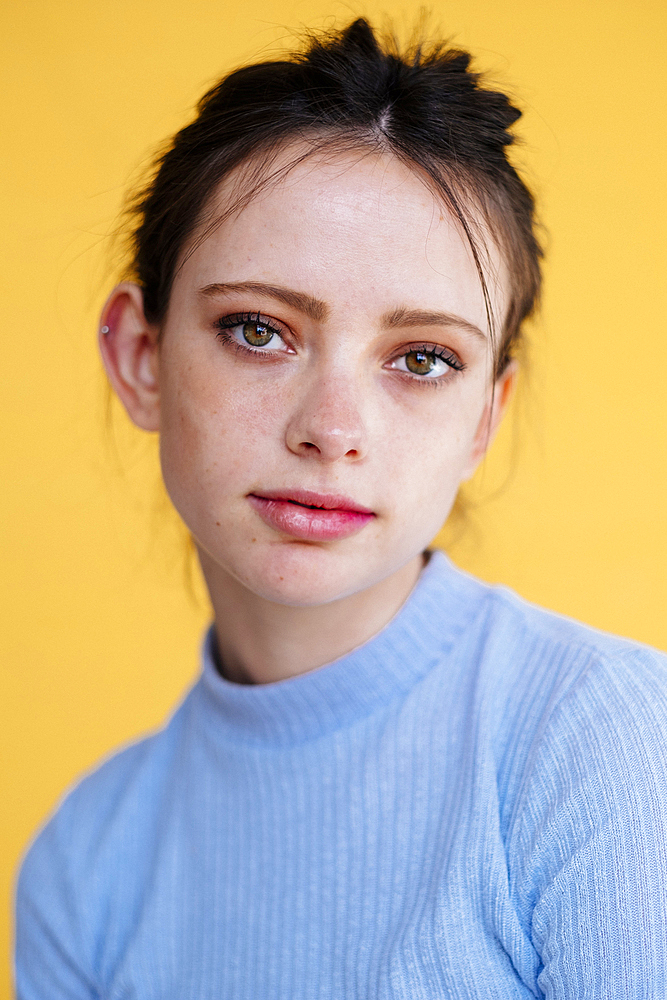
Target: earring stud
{"x":104,"y":330}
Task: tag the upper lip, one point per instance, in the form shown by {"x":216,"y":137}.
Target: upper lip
{"x":308,"y":498}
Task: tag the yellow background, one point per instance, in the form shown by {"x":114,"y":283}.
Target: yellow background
{"x":99,"y":636}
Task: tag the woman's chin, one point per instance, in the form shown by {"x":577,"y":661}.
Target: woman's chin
{"x":296,"y":574}
{"x":306,"y":576}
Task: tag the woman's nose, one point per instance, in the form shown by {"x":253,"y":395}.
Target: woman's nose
{"x":327,"y":422}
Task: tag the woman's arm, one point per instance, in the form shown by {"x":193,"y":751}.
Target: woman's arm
{"x":591,"y":849}
{"x":52,"y":960}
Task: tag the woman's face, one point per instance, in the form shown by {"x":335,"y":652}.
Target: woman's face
{"x":327,"y":347}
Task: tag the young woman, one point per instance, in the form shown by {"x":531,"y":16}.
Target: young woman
{"x":390,"y":780}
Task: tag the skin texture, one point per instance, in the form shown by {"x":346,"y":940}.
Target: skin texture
{"x":328,"y":406}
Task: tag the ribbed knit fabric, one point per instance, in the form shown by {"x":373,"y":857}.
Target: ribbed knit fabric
{"x":471,"y":805}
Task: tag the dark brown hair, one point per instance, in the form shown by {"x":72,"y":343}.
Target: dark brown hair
{"x":424,"y":105}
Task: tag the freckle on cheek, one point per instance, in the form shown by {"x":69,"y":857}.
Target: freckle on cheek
{"x":217,"y":524}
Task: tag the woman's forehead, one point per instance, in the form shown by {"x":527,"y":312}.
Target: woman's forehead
{"x":356,"y":221}
{"x":342,"y":182}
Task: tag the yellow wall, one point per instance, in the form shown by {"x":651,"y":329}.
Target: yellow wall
{"x":98,"y":639}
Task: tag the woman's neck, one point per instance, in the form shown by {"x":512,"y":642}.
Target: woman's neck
{"x":260,"y":641}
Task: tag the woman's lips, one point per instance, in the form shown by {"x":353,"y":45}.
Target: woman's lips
{"x":312,"y":516}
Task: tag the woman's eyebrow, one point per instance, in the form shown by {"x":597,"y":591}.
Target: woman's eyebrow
{"x":426,"y":317}
{"x":311,"y":307}
{"x":317,"y":310}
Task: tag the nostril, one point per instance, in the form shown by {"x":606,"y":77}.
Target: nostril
{"x":328,"y":440}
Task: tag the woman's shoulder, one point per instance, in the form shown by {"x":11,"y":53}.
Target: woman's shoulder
{"x":541,"y":680}
{"x":104,"y":811}
{"x":577,"y":657}
{"x":590,"y":694}
{"x":102,"y":829}
{"x":516,"y":633}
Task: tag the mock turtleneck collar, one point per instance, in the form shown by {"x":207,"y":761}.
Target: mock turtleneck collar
{"x":308,"y":706}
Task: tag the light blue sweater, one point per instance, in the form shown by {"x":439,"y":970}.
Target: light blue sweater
{"x":471,"y":805}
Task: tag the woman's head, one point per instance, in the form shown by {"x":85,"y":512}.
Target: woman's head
{"x":312,"y":319}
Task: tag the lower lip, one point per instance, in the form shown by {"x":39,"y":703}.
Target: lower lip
{"x":313,"y":524}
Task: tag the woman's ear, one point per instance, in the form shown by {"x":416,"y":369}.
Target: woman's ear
{"x":492,"y":416}
{"x":129,"y":348}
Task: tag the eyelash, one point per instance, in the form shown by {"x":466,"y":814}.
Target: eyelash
{"x":226,"y":323}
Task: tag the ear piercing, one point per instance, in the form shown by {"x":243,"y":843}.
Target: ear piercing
{"x":104,"y":330}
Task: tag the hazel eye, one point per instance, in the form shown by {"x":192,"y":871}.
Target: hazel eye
{"x":428,"y":363}
{"x":421,"y":362}
{"x":257,"y":334}
{"x":253,"y":333}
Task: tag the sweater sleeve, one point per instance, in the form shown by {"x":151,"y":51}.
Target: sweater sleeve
{"x":52,"y":960}
{"x":591,"y":860}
